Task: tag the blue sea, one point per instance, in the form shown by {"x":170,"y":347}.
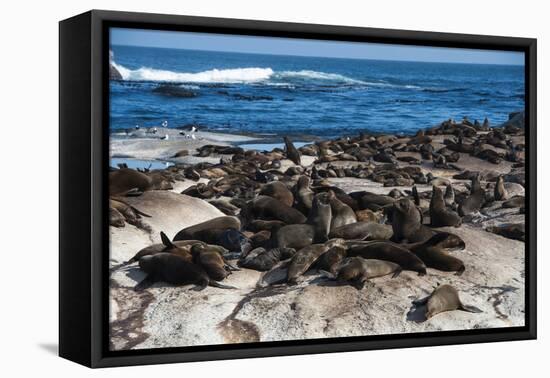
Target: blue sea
{"x":292,"y":95}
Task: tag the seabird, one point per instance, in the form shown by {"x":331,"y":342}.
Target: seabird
{"x":164,"y":123}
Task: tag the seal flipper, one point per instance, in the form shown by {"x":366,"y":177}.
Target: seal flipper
{"x":221,"y":286}
{"x":397,"y":272}
{"x":145,"y":283}
{"x":460,"y":271}
{"x":421,"y":301}
{"x":327,"y":275}
{"x":470,"y":309}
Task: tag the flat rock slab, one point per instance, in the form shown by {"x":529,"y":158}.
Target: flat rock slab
{"x":319,"y":308}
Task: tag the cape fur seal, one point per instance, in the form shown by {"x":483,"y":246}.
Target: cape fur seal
{"x":362,"y":231}
{"x":388,"y":251}
{"x":444,"y":298}
{"x":210,"y":230}
{"x":305,"y":257}
{"x":269,"y":208}
{"x":500,"y":191}
{"x":357,"y":270}
{"x":330,"y":260}
{"x":211,"y":261}
{"x":342,"y":214}
{"x":320,"y":216}
{"x":124,"y":180}
{"x":407,"y":223}
{"x":175,"y":270}
{"x":279,"y":191}
{"x":304,"y":195}
{"x":431,"y":253}
{"x":291,"y":152}
{"x":295,"y":236}
{"x":474,"y":201}
{"x":263,"y":260}
{"x":440,"y":216}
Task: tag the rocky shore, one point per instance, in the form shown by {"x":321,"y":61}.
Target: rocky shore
{"x":369,"y":178}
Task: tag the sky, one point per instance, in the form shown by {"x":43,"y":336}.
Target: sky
{"x":303,"y":47}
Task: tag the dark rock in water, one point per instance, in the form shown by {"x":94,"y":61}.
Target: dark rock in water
{"x":113,"y":73}
{"x":239,"y":96}
{"x":174,"y":91}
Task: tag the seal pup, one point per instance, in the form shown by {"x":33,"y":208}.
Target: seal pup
{"x":342,"y":214}
{"x":388,"y":251}
{"x":444,"y":298}
{"x":175,"y":270}
{"x":440,"y":216}
{"x":407,"y":223}
{"x":291,"y":152}
{"x":500,"y":191}
{"x":431,"y":253}
{"x":320,"y":216}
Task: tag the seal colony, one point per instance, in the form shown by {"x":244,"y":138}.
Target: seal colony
{"x":285,"y":214}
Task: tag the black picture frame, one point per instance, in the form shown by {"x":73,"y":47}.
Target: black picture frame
{"x":83,"y":153}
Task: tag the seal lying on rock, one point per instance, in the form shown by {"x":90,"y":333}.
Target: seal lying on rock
{"x":362,"y":231}
{"x":443,"y":298}
{"x":514,"y":231}
{"x":262,"y":259}
{"x":431,"y":253}
{"x":175,"y":270}
{"x":269,"y":208}
{"x":388,"y":251}
{"x":209,"y":231}
{"x":304,"y":258}
{"x":211,"y":261}
{"x":279,"y":191}
{"x":357,"y":270}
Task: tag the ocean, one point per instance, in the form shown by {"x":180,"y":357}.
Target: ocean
{"x":293,"y":95}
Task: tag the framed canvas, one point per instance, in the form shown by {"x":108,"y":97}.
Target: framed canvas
{"x":234,"y":188}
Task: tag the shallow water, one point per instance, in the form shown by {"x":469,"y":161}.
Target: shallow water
{"x":139,"y":163}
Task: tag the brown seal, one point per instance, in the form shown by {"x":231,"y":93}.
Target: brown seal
{"x":209,"y":231}
{"x":305,"y":257}
{"x":269,"y":208}
{"x":342,"y":214}
{"x":407,"y":223}
{"x":330,"y":260}
{"x":263,"y":260}
{"x":440,"y":216}
{"x":291,"y":152}
{"x":279,"y":191}
{"x":431,"y":253}
{"x":295,"y":236}
{"x":303,"y":194}
{"x":474,"y":201}
{"x":500,"y":191}
{"x":320,"y":216}
{"x":357,"y":270}
{"x":125,"y":180}
{"x":443,"y":298}
{"x":388,"y":251}
{"x":175,"y":270}
{"x":362,"y":231}
{"x":211,"y":261}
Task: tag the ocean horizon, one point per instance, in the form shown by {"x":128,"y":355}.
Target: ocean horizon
{"x":299,"y":95}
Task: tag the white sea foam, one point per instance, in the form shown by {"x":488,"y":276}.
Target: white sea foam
{"x":235,"y":75}
{"x":316,"y":75}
